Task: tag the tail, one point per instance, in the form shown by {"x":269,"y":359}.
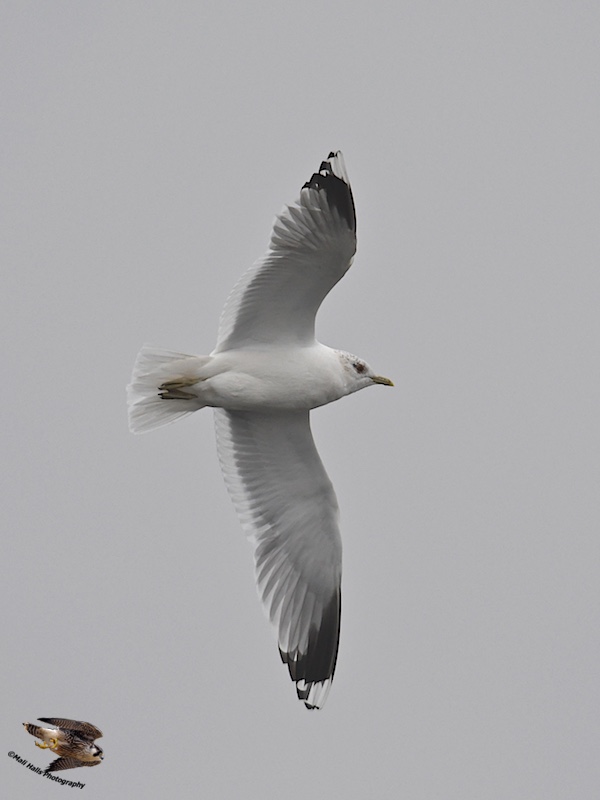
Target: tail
{"x":156,"y":395}
{"x":39,"y":733}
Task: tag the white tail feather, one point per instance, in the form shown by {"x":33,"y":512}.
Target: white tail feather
{"x":153,"y":367}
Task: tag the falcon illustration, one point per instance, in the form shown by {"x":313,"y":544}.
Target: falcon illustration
{"x":71,"y":740}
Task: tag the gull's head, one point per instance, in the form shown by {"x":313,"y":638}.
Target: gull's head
{"x":358,"y":373}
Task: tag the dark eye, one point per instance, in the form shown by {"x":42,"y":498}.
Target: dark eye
{"x":359,"y":367}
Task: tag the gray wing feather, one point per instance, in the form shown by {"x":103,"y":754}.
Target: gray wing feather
{"x":312,"y":246}
{"x":286,"y":502}
{"x":89,"y":731}
{"x":70,"y":763}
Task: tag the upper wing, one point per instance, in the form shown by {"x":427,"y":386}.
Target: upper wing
{"x":73,"y":725}
{"x":286,"y":501}
{"x":69,"y":763}
{"x":311,"y":248}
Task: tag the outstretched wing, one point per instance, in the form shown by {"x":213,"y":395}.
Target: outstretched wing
{"x":311,"y":248}
{"x":85,"y":728}
{"x":286,"y":502}
{"x":70,"y":763}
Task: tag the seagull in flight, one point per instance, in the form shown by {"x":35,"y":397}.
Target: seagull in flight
{"x":264,"y":376}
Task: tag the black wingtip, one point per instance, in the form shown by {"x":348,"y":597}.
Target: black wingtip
{"x":317,"y":664}
{"x":333,"y":180}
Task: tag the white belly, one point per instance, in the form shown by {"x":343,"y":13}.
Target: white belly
{"x":274,"y":379}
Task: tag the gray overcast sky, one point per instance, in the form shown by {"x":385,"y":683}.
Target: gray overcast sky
{"x":145,"y":150}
